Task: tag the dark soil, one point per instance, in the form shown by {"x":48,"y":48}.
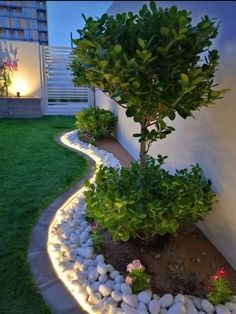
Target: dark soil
{"x":180,"y":264}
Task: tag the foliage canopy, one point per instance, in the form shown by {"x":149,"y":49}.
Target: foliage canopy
{"x":156,"y":64}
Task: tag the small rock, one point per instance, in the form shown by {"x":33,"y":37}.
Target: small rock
{"x":95,"y":285}
{"x":128,"y":309}
{"x":197,"y":303}
{"x":207,"y":306}
{"x":110,"y":283}
{"x":102,"y":268}
{"x":89,"y":263}
{"x":155,"y":297}
{"x":198,"y":260}
{"x":141,"y":307}
{"x":203,"y":253}
{"x":90,"y":290}
{"x":231,"y":306}
{"x":119,"y":279}
{"x":83,"y":294}
{"x":100,"y":259}
{"x":110,"y":301}
{"x":102,"y":278}
{"x":85,"y":252}
{"x":144,"y":297}
{"x":116,"y":295}
{"x":105,"y":290}
{"x":114,"y":273}
{"x":157,"y":256}
{"x":180,"y":298}
{"x":93,"y":275}
{"x":233,"y":299}
{"x":117,"y":286}
{"x":110,"y":268}
{"x":131,"y":300}
{"x":221,"y":309}
{"x":167,"y":300}
{"x":125,"y":289}
{"x":190,"y":307}
{"x":154,"y":307}
{"x":177,"y":308}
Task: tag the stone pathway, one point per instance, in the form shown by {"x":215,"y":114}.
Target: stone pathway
{"x":56,"y":296}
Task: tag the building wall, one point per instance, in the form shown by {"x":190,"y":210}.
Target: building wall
{"x":24,"y":20}
{"x":27,"y":80}
{"x":210,"y":138}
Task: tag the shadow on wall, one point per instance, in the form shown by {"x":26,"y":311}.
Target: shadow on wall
{"x":8,"y":64}
{"x":7,"y":53}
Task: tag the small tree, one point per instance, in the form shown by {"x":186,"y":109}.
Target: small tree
{"x":155,"y":64}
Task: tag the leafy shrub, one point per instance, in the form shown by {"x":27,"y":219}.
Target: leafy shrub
{"x":219,"y":290}
{"x":129,"y":205}
{"x":95,"y":123}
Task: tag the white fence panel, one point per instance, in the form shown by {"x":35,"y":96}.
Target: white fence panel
{"x":60,"y":94}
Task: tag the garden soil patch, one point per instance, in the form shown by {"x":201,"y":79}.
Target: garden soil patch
{"x":180,"y":264}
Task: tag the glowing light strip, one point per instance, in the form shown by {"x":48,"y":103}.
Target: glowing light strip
{"x":66,"y":139}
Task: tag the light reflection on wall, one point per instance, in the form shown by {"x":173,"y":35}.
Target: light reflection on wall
{"x":27,"y":79}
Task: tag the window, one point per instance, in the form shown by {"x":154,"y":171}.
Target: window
{"x":24,"y":23}
{"x":29,"y":12}
{"x":33,"y":24}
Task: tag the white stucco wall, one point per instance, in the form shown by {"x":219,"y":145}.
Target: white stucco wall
{"x":209,"y":140}
{"x":27,"y":79}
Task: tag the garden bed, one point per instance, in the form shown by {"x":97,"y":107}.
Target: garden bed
{"x":100,"y":288}
{"x":180,"y":264}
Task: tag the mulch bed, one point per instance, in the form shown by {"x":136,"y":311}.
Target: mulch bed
{"x":180,"y":264}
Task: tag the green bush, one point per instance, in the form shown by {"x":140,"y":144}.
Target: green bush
{"x":95,"y":123}
{"x":129,"y":205}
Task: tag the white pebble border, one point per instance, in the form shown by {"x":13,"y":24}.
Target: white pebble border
{"x":97,"y":286}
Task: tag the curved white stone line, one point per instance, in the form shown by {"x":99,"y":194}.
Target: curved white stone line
{"x":96,"y":286}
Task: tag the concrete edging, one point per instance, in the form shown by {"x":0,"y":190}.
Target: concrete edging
{"x":53,"y":291}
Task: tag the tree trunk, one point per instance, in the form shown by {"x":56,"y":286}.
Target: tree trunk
{"x":94,"y":97}
{"x":143,"y":152}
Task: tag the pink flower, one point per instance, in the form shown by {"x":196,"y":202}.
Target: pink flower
{"x":136,"y":264}
{"x":93,"y":224}
{"x":129,"y":280}
{"x":214,"y":278}
{"x":221,"y":273}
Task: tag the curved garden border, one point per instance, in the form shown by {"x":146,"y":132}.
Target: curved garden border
{"x":95,"y":285}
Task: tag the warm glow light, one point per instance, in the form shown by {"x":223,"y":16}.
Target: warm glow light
{"x":18,"y":85}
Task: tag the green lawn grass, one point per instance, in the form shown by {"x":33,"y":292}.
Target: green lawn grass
{"x":34,"y":170}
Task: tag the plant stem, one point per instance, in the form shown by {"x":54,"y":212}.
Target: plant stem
{"x":143,"y":150}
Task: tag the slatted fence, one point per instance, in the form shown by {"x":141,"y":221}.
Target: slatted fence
{"x":60,"y":94}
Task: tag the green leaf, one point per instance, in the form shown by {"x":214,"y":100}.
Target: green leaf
{"x":153,"y":6}
{"x":125,"y":237}
{"x":103,"y":63}
{"x":197,"y":80}
{"x":130,"y":111}
{"x":161,"y":51}
{"x":117,"y":48}
{"x":141,"y":43}
{"x":164,"y":31}
{"x":184,"y":80}
{"x":182,"y":20}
